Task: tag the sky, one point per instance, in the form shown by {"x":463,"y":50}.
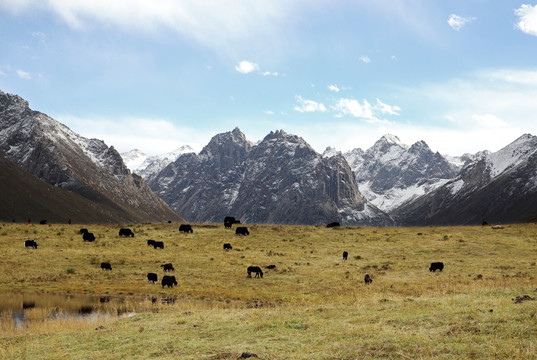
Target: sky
{"x":154,"y":75}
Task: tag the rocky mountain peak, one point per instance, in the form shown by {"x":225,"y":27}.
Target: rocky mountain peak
{"x":419,"y":146}
{"x":388,"y":146}
{"x":330,"y":151}
{"x":226,"y":149}
{"x":12,"y":103}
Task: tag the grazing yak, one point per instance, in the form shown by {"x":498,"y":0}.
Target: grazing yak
{"x":152,"y":277}
{"x":227,"y":246}
{"x":43,"y":222}
{"x":87,"y":236}
{"x":106,"y":266}
{"x":270,"y":267}
{"x":367,"y":279}
{"x":168,"y":281}
{"x":436,"y":266}
{"x":345,"y":255}
{"x":230,"y":220}
{"x":30,"y":243}
{"x":150,"y":242}
{"x":167,"y":267}
{"x":255,"y":269}
{"x":186,"y":228}
{"x":242,"y":230}
{"x":158,"y":244}
{"x":126,"y":232}
{"x":333,"y":224}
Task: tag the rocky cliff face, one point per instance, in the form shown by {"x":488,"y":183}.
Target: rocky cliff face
{"x":88,"y":167}
{"x":281,"y":180}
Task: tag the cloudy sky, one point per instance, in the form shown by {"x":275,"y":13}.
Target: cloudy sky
{"x":154,"y":75}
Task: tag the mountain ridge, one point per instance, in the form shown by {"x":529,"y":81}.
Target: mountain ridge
{"x":88,"y":167}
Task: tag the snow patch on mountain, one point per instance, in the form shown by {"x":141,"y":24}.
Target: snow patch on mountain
{"x":512,"y":155}
{"x":149,"y":166}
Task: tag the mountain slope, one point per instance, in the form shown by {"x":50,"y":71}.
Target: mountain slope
{"x":281,"y":180}
{"x":498,"y":187}
{"x":24,"y":196}
{"x":52,"y":152}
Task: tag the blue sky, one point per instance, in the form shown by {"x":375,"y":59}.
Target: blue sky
{"x":155,"y":75}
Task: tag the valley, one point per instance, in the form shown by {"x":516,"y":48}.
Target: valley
{"x":313,"y":305}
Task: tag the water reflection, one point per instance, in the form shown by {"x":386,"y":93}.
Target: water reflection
{"x":28,"y":306}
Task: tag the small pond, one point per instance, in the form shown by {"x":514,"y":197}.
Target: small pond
{"x":20,"y":307}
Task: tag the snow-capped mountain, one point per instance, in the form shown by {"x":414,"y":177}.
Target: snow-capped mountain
{"x":495,"y":187}
{"x":148,"y":166}
{"x":280,"y":180}
{"x":88,"y":167}
{"x":390,"y":173}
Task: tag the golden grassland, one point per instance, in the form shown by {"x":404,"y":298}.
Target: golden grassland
{"x":314,"y":305}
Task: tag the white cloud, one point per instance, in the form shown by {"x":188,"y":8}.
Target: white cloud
{"x":333,"y":88}
{"x":305,"y":105}
{"x":353,"y":108}
{"x":489,"y":121}
{"x":365,"y":111}
{"x":246,"y":67}
{"x":3,"y":74}
{"x":364,"y":59}
{"x":268,"y":112}
{"x":458,"y":22}
{"x":212,"y":23}
{"x":527,"y":19}
{"x":24,"y":75}
{"x":387,"y":109}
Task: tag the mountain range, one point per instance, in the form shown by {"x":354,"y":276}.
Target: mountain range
{"x":279,"y":180}
{"x":397,"y":184}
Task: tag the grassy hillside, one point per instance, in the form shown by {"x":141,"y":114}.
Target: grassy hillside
{"x":24,"y":196}
{"x":314,"y":305}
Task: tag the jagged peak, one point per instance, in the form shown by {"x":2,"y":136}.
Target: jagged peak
{"x":330,"y":152}
{"x":390,"y":139}
{"x":387,"y":144}
{"x":281,"y":134}
{"x":234,"y":136}
{"x":420,"y":146}
{"x":387,"y":141}
{"x":6,"y":100}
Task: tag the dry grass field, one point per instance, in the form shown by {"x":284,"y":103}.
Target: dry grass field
{"x":314,"y":305}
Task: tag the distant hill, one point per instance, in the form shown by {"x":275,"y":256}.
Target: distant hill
{"x":87,"y":167}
